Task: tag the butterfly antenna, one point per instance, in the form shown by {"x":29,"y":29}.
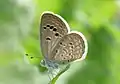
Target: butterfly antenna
{"x":31,"y":56}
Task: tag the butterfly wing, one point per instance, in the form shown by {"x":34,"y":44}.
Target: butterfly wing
{"x":71,"y":47}
{"x":52,"y":29}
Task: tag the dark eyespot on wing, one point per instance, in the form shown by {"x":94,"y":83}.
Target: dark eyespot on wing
{"x":48,"y":38}
{"x":70,"y":54}
{"x":71,"y":43}
{"x":51,"y":27}
{"x":62,"y":55}
{"x":44,"y":27}
{"x":54,"y":29}
{"x":60,"y":35}
{"x":56,"y":34}
{"x":71,"y":46}
{"x":56,"y":51}
{"x":60,"y":43}
{"x":64,"y":44}
{"x":47,"y":25}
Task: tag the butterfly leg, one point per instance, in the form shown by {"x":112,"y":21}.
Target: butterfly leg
{"x":50,"y":73}
{"x":55,"y":72}
{"x":49,"y":76}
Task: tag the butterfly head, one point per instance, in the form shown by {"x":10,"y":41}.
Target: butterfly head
{"x":49,"y":64}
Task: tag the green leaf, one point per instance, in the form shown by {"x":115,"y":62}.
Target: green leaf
{"x":53,"y":81}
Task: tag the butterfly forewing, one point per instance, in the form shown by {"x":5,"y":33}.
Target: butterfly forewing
{"x":71,"y":47}
{"x":52,"y":29}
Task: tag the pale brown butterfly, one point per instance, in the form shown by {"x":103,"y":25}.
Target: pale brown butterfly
{"x":58,"y":44}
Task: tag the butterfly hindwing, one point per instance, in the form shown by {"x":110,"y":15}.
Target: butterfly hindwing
{"x":70,"y":48}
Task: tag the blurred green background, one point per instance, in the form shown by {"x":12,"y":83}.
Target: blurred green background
{"x":98,"y":20}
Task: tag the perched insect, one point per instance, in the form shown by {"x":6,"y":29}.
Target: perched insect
{"x":58,"y":44}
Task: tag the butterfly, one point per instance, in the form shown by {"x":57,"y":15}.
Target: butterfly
{"x":58,"y":44}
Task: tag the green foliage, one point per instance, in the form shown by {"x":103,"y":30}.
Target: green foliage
{"x":53,"y":81}
{"x":19,"y":34}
